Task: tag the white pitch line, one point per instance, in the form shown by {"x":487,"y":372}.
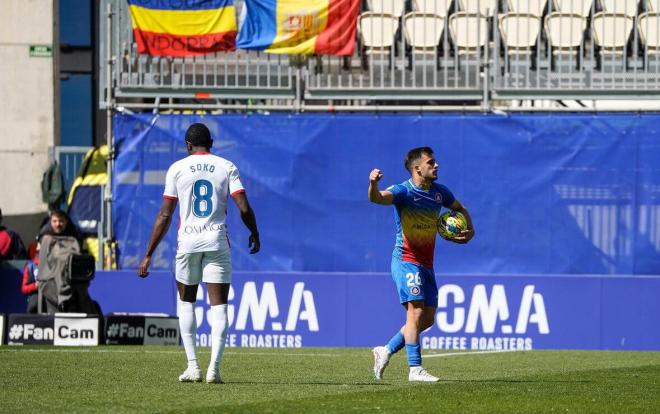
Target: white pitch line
{"x":451,"y":354}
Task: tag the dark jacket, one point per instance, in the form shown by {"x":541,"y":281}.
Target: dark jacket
{"x":11,"y":245}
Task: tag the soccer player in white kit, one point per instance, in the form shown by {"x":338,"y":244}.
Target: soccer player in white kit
{"x":202,"y":184}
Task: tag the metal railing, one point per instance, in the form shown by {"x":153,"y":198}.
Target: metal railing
{"x":221,"y":75}
{"x":592,"y":53}
{"x":70,"y":160}
{"x":413,"y":54}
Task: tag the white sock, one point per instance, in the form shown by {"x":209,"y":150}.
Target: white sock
{"x":188,"y":328}
{"x":219,"y":325}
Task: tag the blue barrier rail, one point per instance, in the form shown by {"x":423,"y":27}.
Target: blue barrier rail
{"x":276,"y":309}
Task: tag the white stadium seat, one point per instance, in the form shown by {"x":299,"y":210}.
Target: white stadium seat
{"x":648,"y":24}
{"x":423,"y":31}
{"x":393,"y":7}
{"x":469,"y":32}
{"x":565,"y":31}
{"x":581,"y":7}
{"x":377,"y":31}
{"x":480,"y":6}
{"x":611,"y":32}
{"x":627,"y":7}
{"x":534,"y":7}
{"x":437,"y":7}
{"x":520,"y":32}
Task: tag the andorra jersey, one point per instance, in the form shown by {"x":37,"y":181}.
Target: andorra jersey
{"x":416,"y":217}
{"x":202,"y":183}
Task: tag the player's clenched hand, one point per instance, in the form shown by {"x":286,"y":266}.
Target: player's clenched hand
{"x":375,"y":175}
{"x":254,"y":243}
{"x":143,"y":270}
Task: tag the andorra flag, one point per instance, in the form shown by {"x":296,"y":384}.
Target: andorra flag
{"x":300,"y":27}
{"x":183,"y":27}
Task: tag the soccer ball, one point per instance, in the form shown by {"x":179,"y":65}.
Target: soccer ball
{"x":451,"y":223}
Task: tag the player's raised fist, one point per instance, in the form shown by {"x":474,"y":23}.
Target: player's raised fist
{"x":375,"y":175}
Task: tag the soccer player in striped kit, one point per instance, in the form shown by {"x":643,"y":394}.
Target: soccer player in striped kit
{"x":417,"y":201}
{"x":202,"y":184}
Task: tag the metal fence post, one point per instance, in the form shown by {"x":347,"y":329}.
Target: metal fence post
{"x":485,"y":104}
{"x":109,"y":109}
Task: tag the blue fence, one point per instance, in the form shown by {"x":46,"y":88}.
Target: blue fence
{"x":550,"y":194}
{"x":482,"y":312}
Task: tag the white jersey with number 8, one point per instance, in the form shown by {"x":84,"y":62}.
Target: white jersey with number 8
{"x":202,"y":183}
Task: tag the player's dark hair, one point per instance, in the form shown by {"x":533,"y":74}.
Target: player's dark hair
{"x":198,"y":135}
{"x":414,"y":155}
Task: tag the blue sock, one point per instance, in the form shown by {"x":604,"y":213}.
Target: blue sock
{"x":396,"y":343}
{"x":414,"y":355}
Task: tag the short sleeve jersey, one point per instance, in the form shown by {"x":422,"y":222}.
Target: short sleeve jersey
{"x":416,"y":217}
{"x":202,"y":183}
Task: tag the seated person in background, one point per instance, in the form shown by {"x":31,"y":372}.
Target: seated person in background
{"x":65,"y":270}
{"x":59,"y":224}
{"x":11,"y":245}
{"x":30,"y":285}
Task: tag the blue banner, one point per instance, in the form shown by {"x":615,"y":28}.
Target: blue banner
{"x":549,"y":194}
{"x":476,"y":312}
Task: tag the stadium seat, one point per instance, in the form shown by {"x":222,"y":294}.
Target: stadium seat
{"x":437,"y":7}
{"x":580,"y":7}
{"x":565,"y":31}
{"x":423,"y":31}
{"x":627,"y":7}
{"x":469,"y":32}
{"x":391,"y":7}
{"x":649,"y":23}
{"x":611,"y":32}
{"x":533,"y":7}
{"x":520,"y":32}
{"x":377,"y":32}
{"x":483,"y":7}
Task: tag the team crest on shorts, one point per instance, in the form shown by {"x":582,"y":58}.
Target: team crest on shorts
{"x":414,"y":290}
{"x":438,"y":198}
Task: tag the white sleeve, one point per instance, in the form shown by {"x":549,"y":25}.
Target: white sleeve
{"x":170,"y":184}
{"x":235,"y":185}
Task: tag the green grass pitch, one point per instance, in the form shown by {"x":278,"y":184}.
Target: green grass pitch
{"x":117,"y":379}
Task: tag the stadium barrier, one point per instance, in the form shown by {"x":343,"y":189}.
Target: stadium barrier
{"x":11,"y":298}
{"x":71,"y":329}
{"x":141,"y":329}
{"x":60,"y":329}
{"x":291,"y":310}
{"x":548,"y":193}
{"x":303,"y":309}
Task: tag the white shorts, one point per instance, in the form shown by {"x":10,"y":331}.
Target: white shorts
{"x":209,"y":267}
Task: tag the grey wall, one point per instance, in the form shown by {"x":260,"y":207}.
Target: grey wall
{"x":27,"y":110}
